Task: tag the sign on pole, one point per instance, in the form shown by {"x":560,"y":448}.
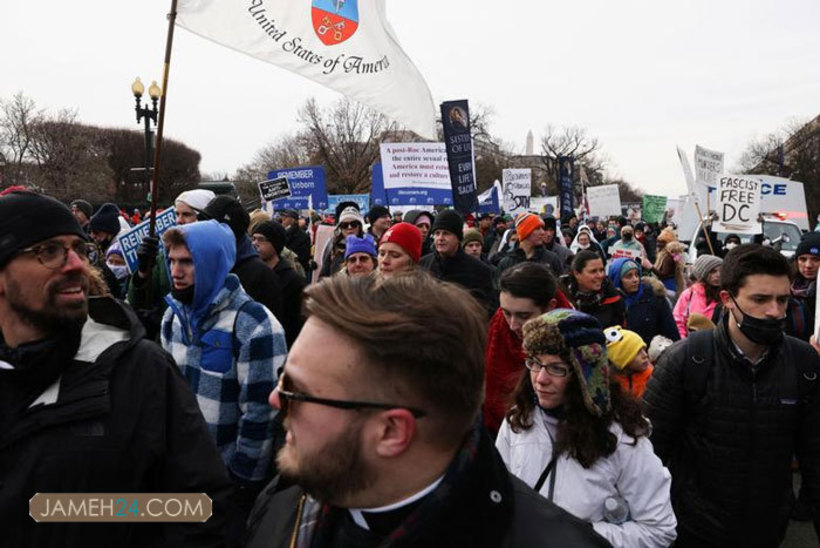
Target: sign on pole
{"x":517,"y":188}
{"x":653,"y":208}
{"x":604,"y":200}
{"x":544,"y":205}
{"x":273,"y":189}
{"x":304,"y":181}
{"x":455,"y":117}
{"x":565,"y":172}
{"x":708,"y":166}
{"x":416,"y":174}
{"x":738,"y":204}
{"x":130,"y":241}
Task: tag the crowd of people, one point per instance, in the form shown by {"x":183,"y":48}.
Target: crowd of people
{"x":423,"y":379}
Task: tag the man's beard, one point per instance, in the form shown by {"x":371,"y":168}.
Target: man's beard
{"x":52,"y":318}
{"x":332,"y":473}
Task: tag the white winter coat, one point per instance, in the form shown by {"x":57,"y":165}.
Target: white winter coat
{"x":632,"y":471}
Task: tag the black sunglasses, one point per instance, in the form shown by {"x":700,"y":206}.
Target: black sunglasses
{"x":286,"y":396}
{"x":352,"y":224}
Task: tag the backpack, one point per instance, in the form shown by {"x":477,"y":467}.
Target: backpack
{"x":698,"y":366}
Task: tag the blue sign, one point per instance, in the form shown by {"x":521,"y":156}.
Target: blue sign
{"x":377,"y":194}
{"x":130,"y":241}
{"x":565,"y":168}
{"x":304,"y":181}
{"x":362,"y":200}
{"x":488,"y":201}
{"x":419,"y":196}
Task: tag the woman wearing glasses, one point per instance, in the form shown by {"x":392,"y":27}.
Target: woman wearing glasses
{"x":349,"y":223}
{"x":579,"y":440}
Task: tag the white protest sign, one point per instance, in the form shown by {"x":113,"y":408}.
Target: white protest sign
{"x":415,"y":165}
{"x":324,"y":233}
{"x":708,"y":166}
{"x":517,"y":189}
{"x":544,"y":205}
{"x":130,"y":241}
{"x":617,"y":253}
{"x":738,"y":204}
{"x":604,"y":200}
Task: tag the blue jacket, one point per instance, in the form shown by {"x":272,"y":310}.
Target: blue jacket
{"x":230,"y":348}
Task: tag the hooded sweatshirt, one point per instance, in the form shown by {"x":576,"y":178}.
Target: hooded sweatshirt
{"x":230,"y":348}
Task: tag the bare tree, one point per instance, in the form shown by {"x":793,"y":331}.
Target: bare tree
{"x":345,"y":138}
{"x":18,"y":117}
{"x":792,"y":152}
{"x":570,"y":141}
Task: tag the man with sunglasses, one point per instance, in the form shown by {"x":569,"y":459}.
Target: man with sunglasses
{"x":86,"y":404}
{"x":384,"y":439}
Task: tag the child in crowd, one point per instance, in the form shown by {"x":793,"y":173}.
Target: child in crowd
{"x":627,"y":354}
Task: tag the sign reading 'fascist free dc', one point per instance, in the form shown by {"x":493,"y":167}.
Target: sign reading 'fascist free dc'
{"x":738,"y":204}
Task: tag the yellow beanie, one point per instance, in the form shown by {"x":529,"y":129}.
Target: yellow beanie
{"x":622,"y":346}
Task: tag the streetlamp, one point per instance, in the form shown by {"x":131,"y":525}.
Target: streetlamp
{"x":2,"y":168}
{"x":147,"y":115}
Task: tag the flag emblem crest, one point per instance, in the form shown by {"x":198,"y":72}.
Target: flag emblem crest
{"x":334,"y":21}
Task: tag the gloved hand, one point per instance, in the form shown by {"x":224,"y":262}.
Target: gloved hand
{"x":147,"y":254}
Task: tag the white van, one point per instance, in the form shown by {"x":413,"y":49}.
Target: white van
{"x":782,"y":234}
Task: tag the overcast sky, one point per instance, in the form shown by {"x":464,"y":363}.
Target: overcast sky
{"x":642,"y":76}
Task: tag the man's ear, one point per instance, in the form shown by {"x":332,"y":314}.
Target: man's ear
{"x":726,"y":299}
{"x":394,"y":432}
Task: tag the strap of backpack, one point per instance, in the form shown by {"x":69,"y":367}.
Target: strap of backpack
{"x":699,"y":349}
{"x":805,"y":359}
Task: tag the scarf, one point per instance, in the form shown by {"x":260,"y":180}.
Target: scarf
{"x":802,"y":288}
{"x":503,"y":366}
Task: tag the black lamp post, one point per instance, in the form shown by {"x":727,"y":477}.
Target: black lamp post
{"x":2,"y":169}
{"x":147,"y":115}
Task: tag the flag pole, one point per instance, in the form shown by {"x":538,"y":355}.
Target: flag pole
{"x":172,"y":15}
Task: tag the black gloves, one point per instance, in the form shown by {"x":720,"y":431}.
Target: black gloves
{"x":147,"y":254}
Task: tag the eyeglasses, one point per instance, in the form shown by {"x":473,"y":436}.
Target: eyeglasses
{"x":352,"y":224}
{"x":553,"y":369}
{"x":286,"y":396}
{"x":54,"y":255}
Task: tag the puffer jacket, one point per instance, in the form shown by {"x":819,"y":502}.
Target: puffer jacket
{"x":650,"y":314}
{"x":467,"y":272}
{"x":632,"y":471}
{"x":729,"y":442}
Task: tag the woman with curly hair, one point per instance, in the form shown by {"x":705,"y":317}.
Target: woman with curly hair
{"x":579,"y":440}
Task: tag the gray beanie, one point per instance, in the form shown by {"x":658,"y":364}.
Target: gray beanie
{"x":704,"y":265}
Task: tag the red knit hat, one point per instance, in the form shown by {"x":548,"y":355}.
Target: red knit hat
{"x":406,"y":236}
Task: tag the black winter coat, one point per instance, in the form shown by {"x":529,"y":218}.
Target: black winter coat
{"x":123,"y":420}
{"x":467,"y":272}
{"x":491,"y":508}
{"x":651,"y":314}
{"x":257,"y":278}
{"x":541,"y":255}
{"x":729,"y":442}
{"x":607,"y":305}
{"x":292,"y":285}
{"x":298,"y":241}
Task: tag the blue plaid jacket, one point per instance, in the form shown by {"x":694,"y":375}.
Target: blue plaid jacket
{"x":230,"y":357}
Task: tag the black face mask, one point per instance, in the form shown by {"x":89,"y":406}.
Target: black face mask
{"x":764,"y":331}
{"x":185,"y":296}
{"x":626,"y":236}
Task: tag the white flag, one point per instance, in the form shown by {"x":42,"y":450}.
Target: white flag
{"x":346,"y":45}
{"x":687,"y":173}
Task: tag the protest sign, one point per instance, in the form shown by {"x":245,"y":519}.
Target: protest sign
{"x":488,"y":201}
{"x":544,"y":205}
{"x":304,"y":181}
{"x":604,"y":200}
{"x":517,"y":189}
{"x":653,"y":208}
{"x":130,"y":241}
{"x":708,"y":166}
{"x":455,"y":116}
{"x":273,"y":189}
{"x":738,"y":204}
{"x":416,"y":174}
{"x":619,"y":253}
{"x":324,"y":233}
{"x":377,"y":193}
{"x":362,"y":200}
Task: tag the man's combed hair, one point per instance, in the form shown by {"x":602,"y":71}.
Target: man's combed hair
{"x":748,"y":260}
{"x":174,"y":237}
{"x":529,"y":280}
{"x":422,"y":339}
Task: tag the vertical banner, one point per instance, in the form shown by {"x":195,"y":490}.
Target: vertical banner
{"x":565,"y":172}
{"x":738,"y":204}
{"x":455,"y":117}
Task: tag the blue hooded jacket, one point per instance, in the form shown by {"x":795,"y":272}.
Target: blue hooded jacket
{"x":213,"y":248}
